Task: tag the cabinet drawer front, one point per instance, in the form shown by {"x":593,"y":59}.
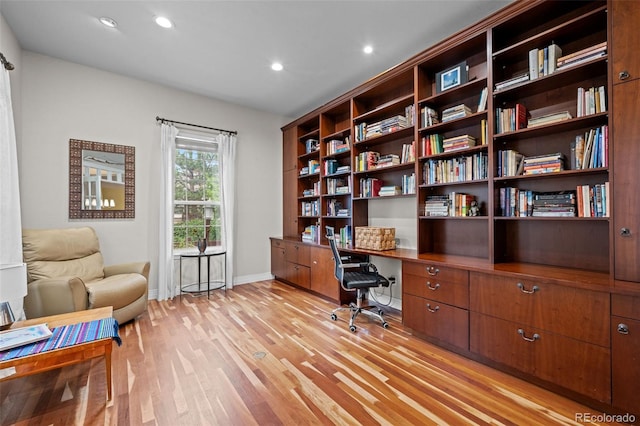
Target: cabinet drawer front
{"x":572,"y":312}
{"x":297,"y":253}
{"x":436,"y":272}
{"x":574,"y":365}
{"x":625,"y":348}
{"x":277,"y":243}
{"x":442,"y":290}
{"x":625,"y":306}
{"x":438,"y":320}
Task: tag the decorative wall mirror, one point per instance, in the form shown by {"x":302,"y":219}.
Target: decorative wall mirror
{"x":101,"y":180}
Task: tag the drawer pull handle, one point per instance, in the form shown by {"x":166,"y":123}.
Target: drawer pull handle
{"x":535,"y":337}
{"x":432,"y":287}
{"x":625,"y":232}
{"x":524,"y":290}
{"x":432,"y":310}
{"x":623,"y":328}
{"x":432,"y":270}
{"x":623,"y":75}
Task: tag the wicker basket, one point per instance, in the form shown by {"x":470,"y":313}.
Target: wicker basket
{"x":373,"y":238}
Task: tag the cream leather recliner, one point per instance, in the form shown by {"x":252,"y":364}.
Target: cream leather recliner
{"x":65,"y":273}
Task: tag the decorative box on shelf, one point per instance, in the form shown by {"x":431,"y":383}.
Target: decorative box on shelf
{"x":374,"y":238}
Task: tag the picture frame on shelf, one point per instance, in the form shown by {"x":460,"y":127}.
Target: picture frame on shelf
{"x":452,"y":77}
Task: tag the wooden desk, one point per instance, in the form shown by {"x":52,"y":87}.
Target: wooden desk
{"x":44,"y":361}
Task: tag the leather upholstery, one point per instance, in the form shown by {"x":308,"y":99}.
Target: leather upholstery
{"x":65,"y":273}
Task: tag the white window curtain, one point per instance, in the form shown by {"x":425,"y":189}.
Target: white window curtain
{"x":227,"y":143}
{"x":13,"y":279}
{"x":166,"y":286}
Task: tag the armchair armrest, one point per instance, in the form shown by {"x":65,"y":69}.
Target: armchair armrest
{"x":51,"y":296}
{"x":141,"y":268}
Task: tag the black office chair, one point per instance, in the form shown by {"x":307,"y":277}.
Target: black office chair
{"x":358,"y":277}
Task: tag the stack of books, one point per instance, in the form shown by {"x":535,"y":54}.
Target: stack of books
{"x":554,"y":204}
{"x":544,"y":61}
{"x":310,"y":208}
{"x":454,"y":112}
{"x":311,"y":145}
{"x":387,"y":160}
{"x":461,"y":169}
{"x":338,"y":186}
{"x":367,"y":161}
{"x":343,"y":169}
{"x":457,"y":143}
{"x":581,"y":56}
{"x":388,"y":125}
{"x":333,"y":206}
{"x":370,"y":187}
{"x":389,"y":190}
{"x":314,"y":166}
{"x":517,"y":79}
{"x":311,"y":234}
{"x":428,"y":116}
{"x":546,"y":163}
{"x":330,"y":166}
{"x":553,"y":117}
{"x":436,"y":205}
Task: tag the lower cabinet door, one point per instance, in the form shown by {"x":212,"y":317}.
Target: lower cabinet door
{"x":440,"y":321}
{"x":625,"y":346}
{"x":579,"y":366}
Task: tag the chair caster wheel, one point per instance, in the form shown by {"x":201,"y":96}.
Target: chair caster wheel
{"x":334,"y":317}
{"x":352,"y":328}
{"x":385,"y":325}
{"x":380,"y":312}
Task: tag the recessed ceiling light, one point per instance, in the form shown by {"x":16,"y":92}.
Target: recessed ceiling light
{"x":164,"y":22}
{"x":108,"y":22}
{"x":276,"y":66}
{"x":368,"y":49}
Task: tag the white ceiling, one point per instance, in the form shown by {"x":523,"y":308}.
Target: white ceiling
{"x":224,"y":49}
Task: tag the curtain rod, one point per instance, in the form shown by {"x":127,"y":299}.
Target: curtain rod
{"x":164,"y":120}
{"x":7,"y":65}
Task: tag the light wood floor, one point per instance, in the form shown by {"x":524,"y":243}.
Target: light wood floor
{"x":268,"y":354}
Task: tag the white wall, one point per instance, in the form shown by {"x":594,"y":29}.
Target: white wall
{"x":63,"y":100}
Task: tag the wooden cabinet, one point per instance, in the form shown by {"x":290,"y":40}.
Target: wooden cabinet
{"x":277,"y":258}
{"x":625,"y":39}
{"x":435,"y":299}
{"x":553,"y":332}
{"x":625,"y":352}
{"x":322,"y":279}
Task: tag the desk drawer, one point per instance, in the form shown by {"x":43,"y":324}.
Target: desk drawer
{"x":437,"y":320}
{"x":297,"y":253}
{"x":444,"y":290}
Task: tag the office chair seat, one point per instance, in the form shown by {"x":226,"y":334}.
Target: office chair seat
{"x":358,"y":279}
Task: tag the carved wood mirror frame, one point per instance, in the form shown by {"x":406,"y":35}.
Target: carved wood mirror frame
{"x":76,"y":202}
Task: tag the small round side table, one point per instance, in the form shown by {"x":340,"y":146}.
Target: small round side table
{"x":206,"y":255}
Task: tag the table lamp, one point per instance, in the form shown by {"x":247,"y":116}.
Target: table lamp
{"x":13,"y":286}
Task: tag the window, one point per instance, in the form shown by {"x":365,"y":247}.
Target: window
{"x":197,"y":192}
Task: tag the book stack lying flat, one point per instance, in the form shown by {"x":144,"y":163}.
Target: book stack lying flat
{"x":388,"y":125}
{"x":386,"y":191}
{"x":428,"y":117}
{"x":454,"y":112}
{"x":436,"y":205}
{"x":549,"y":118}
{"x":554,"y":204}
{"x":387,"y":160}
{"x":458,"y":142}
{"x":584,"y":55}
{"x":512,"y":81}
{"x":547,"y":163}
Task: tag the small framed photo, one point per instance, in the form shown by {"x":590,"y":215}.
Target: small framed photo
{"x":452,"y":77}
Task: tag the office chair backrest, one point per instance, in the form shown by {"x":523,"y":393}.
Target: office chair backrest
{"x":337,"y":270}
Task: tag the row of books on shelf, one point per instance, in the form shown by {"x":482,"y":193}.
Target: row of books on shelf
{"x":338,"y":186}
{"x":547,"y":60}
{"x":591,"y":149}
{"x":591,"y":101}
{"x":512,"y":163}
{"x":311,"y":145}
{"x":310,"y":208}
{"x":336,"y":146}
{"x":397,"y":122}
{"x":374,"y":187}
{"x":454,"y":204}
{"x":371,"y":160}
{"x":312,"y":168}
{"x":585,"y":201}
{"x":311,"y":234}
{"x":429,"y":116}
{"x":343,"y":235}
{"x":313,"y":191}
{"x":335,"y":208}
{"x":459,"y":169}
{"x":333,"y":166}
{"x":511,"y":119}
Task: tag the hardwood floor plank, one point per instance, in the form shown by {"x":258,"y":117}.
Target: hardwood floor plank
{"x":267,"y":354}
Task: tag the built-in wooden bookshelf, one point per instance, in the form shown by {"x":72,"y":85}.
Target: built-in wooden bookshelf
{"x":495,"y":260}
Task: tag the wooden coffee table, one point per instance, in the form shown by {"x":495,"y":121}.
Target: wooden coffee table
{"x":44,"y":361}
